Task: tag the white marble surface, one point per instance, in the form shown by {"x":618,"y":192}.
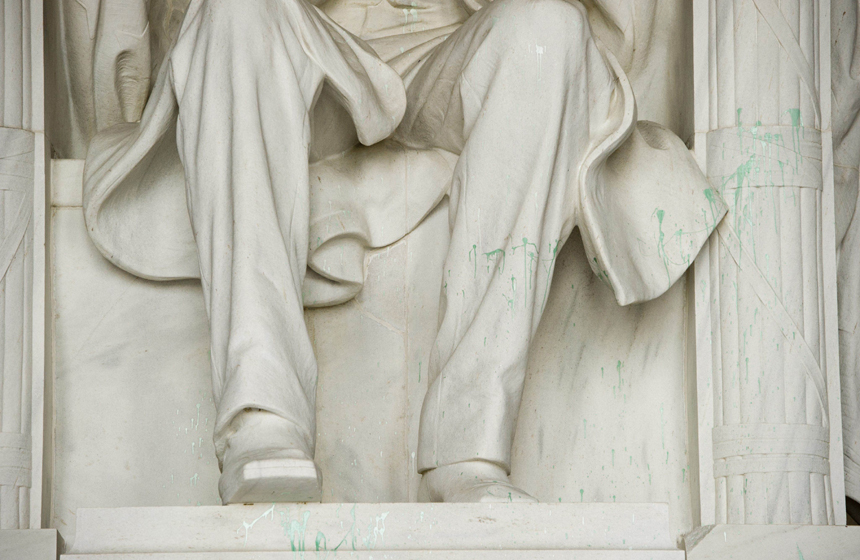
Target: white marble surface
{"x":766,"y":542}
{"x":379,"y":528}
{"x":408,"y":555}
{"x":603,"y":417}
{"x":29,"y":544}
{"x":133,"y":400}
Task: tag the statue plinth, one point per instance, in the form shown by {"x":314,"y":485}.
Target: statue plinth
{"x":404,"y":530}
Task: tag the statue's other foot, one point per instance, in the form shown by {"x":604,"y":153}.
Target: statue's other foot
{"x":470,"y":481}
{"x":267,"y":459}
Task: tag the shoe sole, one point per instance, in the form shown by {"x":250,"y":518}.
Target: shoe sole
{"x":271,"y":480}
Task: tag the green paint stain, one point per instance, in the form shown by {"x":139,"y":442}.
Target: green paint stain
{"x":713,"y":205}
{"x":661,"y":243}
{"x":796,"y":125}
{"x":495,"y":256}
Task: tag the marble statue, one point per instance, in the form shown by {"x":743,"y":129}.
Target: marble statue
{"x":514,"y":111}
{"x":258,"y":254}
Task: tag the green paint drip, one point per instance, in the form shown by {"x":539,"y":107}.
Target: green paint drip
{"x":713,"y":205}
{"x":494,"y":255}
{"x":661,"y":243}
{"x":796,"y":126}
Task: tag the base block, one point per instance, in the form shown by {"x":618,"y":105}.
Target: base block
{"x":29,"y":544}
{"x":767,"y":542}
{"x":365,"y":531}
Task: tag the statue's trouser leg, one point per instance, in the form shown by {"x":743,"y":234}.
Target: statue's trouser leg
{"x":519,"y":91}
{"x":243,"y":137}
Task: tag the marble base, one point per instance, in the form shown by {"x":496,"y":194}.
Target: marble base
{"x":411,"y":555}
{"x":30,"y":544}
{"x":400,"y":530}
{"x":766,"y":542}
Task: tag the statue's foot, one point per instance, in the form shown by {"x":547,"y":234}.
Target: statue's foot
{"x":270,"y":475}
{"x":267,"y":459}
{"x":470,"y":481}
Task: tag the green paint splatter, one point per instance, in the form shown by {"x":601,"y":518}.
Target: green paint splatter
{"x":661,"y":243}
{"x":494,"y":255}
{"x":474,"y":262}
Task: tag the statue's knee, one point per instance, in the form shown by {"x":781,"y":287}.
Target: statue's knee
{"x":546,"y":21}
{"x":237,"y":18}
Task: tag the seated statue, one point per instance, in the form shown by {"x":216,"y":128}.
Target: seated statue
{"x":282,"y":140}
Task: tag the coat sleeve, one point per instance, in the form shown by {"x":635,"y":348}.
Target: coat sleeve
{"x":645,"y":207}
{"x":646,"y":211}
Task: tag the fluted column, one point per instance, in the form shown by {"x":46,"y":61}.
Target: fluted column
{"x":21,"y":183}
{"x":762,"y":141}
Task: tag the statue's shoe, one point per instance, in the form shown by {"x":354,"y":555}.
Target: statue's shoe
{"x":270,"y":475}
{"x":470,"y":481}
{"x":267,"y":459}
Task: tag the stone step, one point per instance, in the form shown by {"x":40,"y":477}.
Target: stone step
{"x":403,"y":555}
{"x":397,"y":531}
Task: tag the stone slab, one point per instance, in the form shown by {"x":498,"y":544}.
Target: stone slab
{"x":405,"y":555}
{"x":372,"y":528}
{"x":768,"y":542}
{"x":29,"y":544}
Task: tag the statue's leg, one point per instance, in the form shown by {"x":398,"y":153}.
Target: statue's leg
{"x":245,"y":88}
{"x":519,"y":91}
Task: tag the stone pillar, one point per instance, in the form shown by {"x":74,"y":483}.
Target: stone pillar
{"x":763,"y":281}
{"x":22,"y":182}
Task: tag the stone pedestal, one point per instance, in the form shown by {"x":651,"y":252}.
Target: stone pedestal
{"x":765,"y":542}
{"x":461,"y":531}
{"x":30,"y":544}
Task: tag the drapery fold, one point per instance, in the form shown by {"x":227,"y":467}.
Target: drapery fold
{"x":645,"y":208}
